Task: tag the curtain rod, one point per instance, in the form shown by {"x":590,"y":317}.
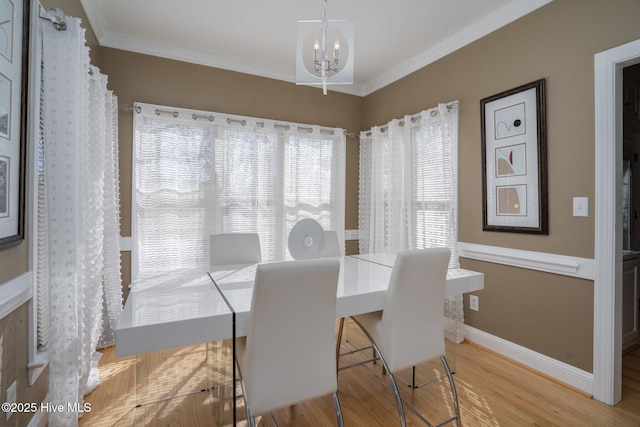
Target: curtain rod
{"x":415,"y":117}
{"x":211,"y":118}
{"x":56,"y":16}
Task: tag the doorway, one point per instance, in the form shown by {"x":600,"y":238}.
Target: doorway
{"x":630,"y":205}
{"x":607,"y":353}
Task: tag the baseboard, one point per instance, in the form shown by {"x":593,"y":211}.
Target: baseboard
{"x":40,"y":418}
{"x":559,"y":371}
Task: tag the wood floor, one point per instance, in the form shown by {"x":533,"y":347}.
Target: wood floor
{"x":492,"y":391}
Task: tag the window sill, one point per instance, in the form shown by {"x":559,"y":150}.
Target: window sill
{"x":38,"y":366}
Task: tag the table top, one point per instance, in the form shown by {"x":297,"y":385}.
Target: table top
{"x":361,"y":286}
{"x":185,"y":307}
{"x":459,"y":280}
{"x":160,"y":309}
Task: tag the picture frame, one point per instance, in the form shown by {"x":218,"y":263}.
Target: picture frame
{"x":514,"y":160}
{"x":14,"y":66}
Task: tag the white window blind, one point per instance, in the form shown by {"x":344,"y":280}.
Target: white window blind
{"x":41,"y":226}
{"x":200,"y":173}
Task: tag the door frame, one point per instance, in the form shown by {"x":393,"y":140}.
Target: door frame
{"x":607,"y":313}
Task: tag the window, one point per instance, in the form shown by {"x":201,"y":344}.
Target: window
{"x":201,"y":173}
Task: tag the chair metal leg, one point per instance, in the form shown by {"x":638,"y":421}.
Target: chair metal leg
{"x":396,"y":392}
{"x":336,"y":401}
{"x":413,"y":377}
{"x":273,"y":419}
{"x":336,"y":404}
{"x":453,"y":390}
{"x":251,"y":422}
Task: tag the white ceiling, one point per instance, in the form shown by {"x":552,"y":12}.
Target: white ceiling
{"x":392,"y":38}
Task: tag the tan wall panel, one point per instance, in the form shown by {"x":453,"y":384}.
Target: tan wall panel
{"x":13,"y":262}
{"x":14,"y":350}
{"x":557,"y":42}
{"x":545,"y":312}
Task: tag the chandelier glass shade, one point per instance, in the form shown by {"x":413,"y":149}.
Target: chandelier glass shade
{"x":324,"y":52}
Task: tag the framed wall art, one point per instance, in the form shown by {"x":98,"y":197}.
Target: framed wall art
{"x":514,"y":160}
{"x":14,"y":54}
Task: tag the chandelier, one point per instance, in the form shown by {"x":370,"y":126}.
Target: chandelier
{"x":325,"y":52}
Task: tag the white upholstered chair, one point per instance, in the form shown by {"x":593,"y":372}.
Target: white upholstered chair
{"x":235,"y":248}
{"x":332,"y":246}
{"x":295,"y":298}
{"x":410,"y":328}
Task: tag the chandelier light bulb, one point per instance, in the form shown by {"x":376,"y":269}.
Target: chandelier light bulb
{"x":316,"y":47}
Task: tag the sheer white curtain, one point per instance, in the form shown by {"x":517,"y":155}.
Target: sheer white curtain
{"x":200,"y":173}
{"x":433,"y":183}
{"x":80,"y":230}
{"x":383,"y":202}
{"x":408,"y":190}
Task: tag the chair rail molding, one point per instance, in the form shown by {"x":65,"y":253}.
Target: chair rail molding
{"x":15,"y":292}
{"x":582,"y":268}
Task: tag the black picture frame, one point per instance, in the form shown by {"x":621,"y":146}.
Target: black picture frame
{"x":14,"y":69}
{"x":514,"y":160}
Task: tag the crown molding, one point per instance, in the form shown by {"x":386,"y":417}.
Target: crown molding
{"x":479,"y":29}
{"x":492,"y":22}
{"x":94,"y":15}
{"x":146,"y":47}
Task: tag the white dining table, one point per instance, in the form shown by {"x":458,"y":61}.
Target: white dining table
{"x":183,"y":308}
{"x":189,"y":307}
{"x":459,"y":280}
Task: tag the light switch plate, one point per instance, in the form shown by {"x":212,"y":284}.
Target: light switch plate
{"x":580,"y":206}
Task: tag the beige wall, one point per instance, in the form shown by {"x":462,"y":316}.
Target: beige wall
{"x":14,"y":334}
{"x":547,"y":313}
{"x":14,"y":262}
{"x":14,"y":351}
